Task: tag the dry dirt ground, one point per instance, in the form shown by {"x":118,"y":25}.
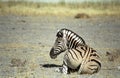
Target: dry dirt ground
{"x":25,"y":43}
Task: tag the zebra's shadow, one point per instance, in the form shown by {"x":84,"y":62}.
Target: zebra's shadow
{"x":50,"y":65}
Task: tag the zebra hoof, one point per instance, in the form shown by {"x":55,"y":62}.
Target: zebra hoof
{"x":57,"y":70}
{"x":60,"y":71}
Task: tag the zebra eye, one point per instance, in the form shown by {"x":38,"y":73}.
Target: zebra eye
{"x":59,"y":42}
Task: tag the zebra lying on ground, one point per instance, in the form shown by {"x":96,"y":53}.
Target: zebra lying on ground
{"x":78,"y":57}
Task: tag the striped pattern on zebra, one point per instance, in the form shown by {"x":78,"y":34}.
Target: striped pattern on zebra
{"x":66,"y":39}
{"x":78,"y":56}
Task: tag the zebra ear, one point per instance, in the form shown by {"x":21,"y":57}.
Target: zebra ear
{"x":59,"y":34}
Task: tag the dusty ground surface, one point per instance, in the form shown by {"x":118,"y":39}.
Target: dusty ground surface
{"x":25,"y":43}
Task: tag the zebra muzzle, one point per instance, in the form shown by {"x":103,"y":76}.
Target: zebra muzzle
{"x":52,"y":55}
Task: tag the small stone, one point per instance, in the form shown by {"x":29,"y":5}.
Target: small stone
{"x":13,"y":28}
{"x":39,"y":43}
{"x":23,"y":21}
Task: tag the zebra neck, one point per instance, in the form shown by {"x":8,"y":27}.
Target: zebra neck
{"x":73,"y":40}
{"x":72,"y":44}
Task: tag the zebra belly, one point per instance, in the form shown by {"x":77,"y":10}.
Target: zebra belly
{"x":71,"y":60}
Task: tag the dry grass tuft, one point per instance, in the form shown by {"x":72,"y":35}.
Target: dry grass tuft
{"x":114,"y":55}
{"x":82,"y":15}
{"x":17,"y":63}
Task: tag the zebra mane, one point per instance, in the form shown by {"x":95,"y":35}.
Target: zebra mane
{"x":74,"y":33}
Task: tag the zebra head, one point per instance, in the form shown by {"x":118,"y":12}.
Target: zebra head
{"x":59,"y":45}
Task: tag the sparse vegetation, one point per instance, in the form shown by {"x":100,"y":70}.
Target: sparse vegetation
{"x":59,"y":9}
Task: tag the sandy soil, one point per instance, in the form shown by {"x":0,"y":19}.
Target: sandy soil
{"x":25,"y":43}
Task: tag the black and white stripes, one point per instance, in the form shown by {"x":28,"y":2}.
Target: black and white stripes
{"x":73,"y":39}
{"x":78,"y":56}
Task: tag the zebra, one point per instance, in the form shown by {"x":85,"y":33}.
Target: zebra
{"x":68,"y":38}
{"x":78,"y":55}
